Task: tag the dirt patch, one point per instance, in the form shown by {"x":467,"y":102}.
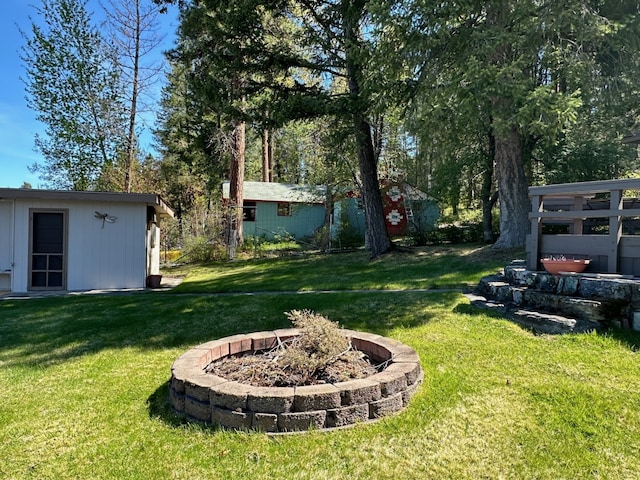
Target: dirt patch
{"x":264,"y":369}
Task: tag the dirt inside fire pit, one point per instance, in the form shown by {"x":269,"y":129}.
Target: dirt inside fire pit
{"x":265,"y":369}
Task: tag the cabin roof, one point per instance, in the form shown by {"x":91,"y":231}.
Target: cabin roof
{"x":279,"y":192}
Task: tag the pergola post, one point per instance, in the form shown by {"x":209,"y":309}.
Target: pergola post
{"x":615,"y":230}
{"x":533,"y":250}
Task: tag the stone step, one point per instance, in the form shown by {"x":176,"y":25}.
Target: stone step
{"x":611,"y":299}
{"x":600,"y":309}
{"x":541,"y":322}
{"x":534,"y":320}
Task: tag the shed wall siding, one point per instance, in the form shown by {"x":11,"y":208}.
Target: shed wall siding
{"x":6,"y":244}
{"x":98,"y":258}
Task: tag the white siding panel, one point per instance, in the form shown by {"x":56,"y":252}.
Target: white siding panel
{"x":6,"y":230}
{"x":21,"y":246}
{"x":6,"y":244}
{"x":109,"y":255}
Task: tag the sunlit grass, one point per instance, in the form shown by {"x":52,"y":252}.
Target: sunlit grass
{"x":428,"y":267}
{"x":84,"y":393}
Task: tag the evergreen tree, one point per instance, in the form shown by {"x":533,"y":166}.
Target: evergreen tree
{"x":522,"y":74}
{"x":287,"y":56}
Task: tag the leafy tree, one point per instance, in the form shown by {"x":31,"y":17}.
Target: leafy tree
{"x":521,"y":73}
{"x":72,"y":84}
{"x":190,"y":142}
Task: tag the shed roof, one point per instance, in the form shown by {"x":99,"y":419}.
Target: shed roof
{"x":150,"y":199}
{"x":279,"y":192}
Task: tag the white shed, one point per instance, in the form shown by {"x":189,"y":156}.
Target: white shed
{"x":68,"y":240}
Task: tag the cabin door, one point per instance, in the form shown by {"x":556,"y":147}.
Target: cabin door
{"x":48,"y":250}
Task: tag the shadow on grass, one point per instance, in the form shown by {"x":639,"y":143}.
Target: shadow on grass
{"x":627,"y":337}
{"x":159,"y":408}
{"x":49,"y":331}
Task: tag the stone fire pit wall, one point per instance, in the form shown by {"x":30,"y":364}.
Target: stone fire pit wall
{"x":210,"y":399}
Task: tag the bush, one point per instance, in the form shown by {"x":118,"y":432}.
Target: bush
{"x":457,"y":233}
{"x":170,"y":256}
{"x":262,"y":246}
{"x":202,"y":250}
{"x":320,"y":342}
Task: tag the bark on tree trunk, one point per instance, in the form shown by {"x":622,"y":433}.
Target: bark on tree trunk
{"x":265,"y":155}
{"x":512,"y":188}
{"x":378,"y":240}
{"x":509,"y":164}
{"x":133,"y":111}
{"x":325,"y":240}
{"x":270,"y":155}
{"x":488,"y":200}
{"x":377,"y":237}
{"x":236,"y":183}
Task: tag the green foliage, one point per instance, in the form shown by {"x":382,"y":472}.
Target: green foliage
{"x":260,"y":246}
{"x":203,"y":250}
{"x":549,"y":71}
{"x":458,"y":233}
{"x":72,"y":85}
{"x":348,"y":235}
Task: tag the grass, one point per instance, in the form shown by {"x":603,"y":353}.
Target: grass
{"x":84,"y":390}
{"x":429,"y":267}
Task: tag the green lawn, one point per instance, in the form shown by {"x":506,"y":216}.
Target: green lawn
{"x":84,"y":387}
{"x":430,"y":267}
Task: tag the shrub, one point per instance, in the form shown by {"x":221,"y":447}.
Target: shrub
{"x":170,"y":256}
{"x":320,"y":342}
{"x":202,"y":250}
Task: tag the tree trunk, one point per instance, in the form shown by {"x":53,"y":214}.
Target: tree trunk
{"x":133,"y":111}
{"x":378,"y":240}
{"x":509,"y":163}
{"x":270,"y":155}
{"x":377,"y":236}
{"x":512,"y":188}
{"x":236,"y":184}
{"x":265,"y":155}
{"x":325,"y":239}
{"x":488,"y":200}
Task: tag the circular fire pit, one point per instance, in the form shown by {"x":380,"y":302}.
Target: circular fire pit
{"x":207,"y":398}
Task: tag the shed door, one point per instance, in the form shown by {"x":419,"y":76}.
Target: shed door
{"x":48,"y":250}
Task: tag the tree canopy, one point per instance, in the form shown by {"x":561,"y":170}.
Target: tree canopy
{"x":473,"y":101}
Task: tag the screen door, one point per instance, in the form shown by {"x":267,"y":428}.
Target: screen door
{"x":48,"y":250}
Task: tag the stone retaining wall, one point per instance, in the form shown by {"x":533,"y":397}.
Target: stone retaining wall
{"x":207,"y":398}
{"x":598,"y":300}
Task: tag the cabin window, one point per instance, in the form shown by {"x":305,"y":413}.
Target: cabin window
{"x":284,"y":209}
{"x":249,"y":211}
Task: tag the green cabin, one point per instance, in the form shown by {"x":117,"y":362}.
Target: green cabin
{"x":272,"y":210}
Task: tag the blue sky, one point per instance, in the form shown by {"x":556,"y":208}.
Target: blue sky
{"x":18,"y":126}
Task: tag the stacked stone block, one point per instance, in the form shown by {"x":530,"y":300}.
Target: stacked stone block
{"x":581,"y":301}
{"x":210,"y":399}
